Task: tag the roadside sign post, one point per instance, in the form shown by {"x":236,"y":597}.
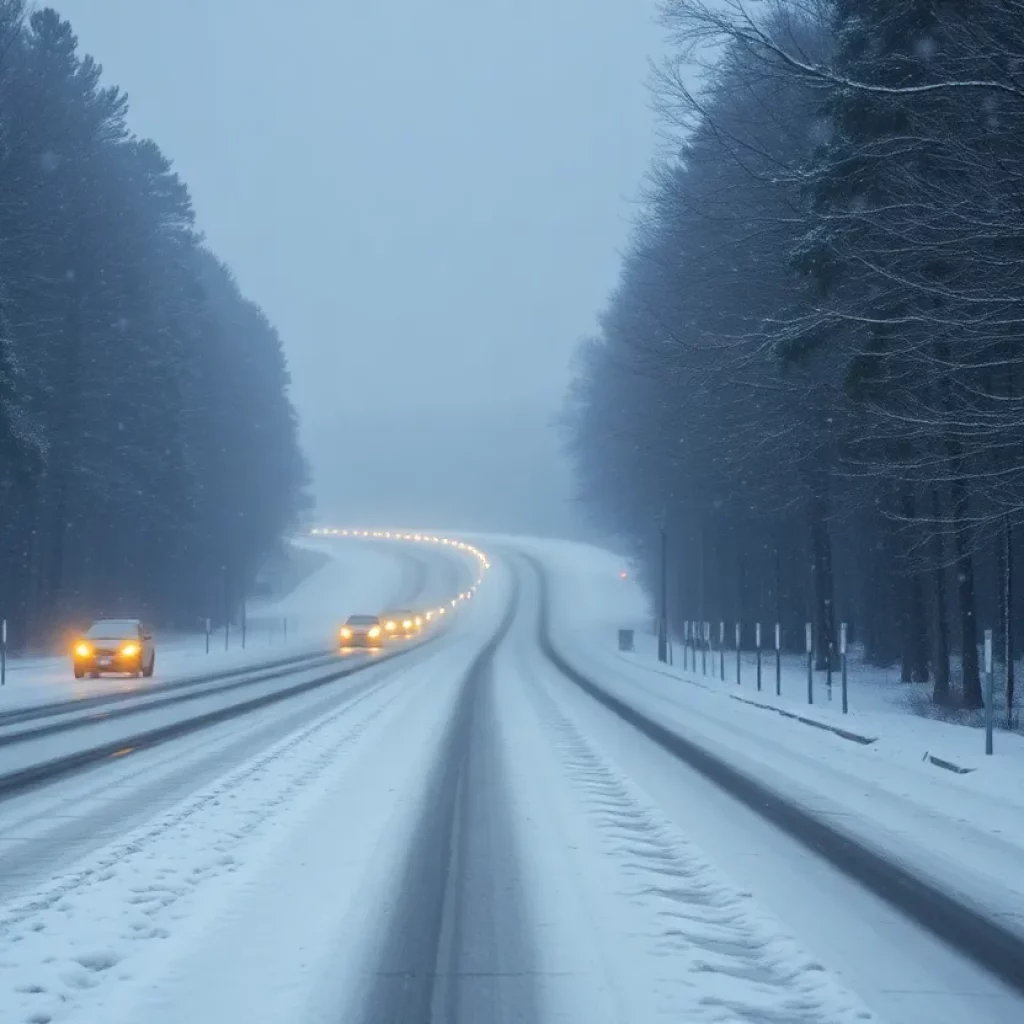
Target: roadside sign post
{"x":757,"y":645}
{"x":738,"y":654}
{"x":809,"y":636}
{"x":989,"y":710}
{"x":778,"y":659}
{"x":721,"y":650}
{"x":842,"y":655}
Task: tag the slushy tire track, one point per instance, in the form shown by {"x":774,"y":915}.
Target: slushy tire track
{"x":996,"y":949}
{"x":403,"y":989}
{"x":259,"y":675}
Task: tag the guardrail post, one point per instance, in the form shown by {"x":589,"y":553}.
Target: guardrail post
{"x":842,"y":655}
{"x":778,"y":659}
{"x":721,"y":650}
{"x":809,"y":636}
{"x":989,"y":709}
{"x":738,"y":679}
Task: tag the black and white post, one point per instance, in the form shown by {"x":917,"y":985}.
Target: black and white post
{"x":778,"y":659}
{"x":809,"y":635}
{"x":842,"y":655}
{"x":738,"y":680}
{"x":989,"y":695}
{"x":757,"y":645}
{"x":721,"y":650}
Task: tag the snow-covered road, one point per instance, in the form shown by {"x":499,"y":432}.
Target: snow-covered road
{"x":461,"y":834}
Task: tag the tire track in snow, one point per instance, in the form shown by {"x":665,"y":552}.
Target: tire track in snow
{"x":697,"y":945}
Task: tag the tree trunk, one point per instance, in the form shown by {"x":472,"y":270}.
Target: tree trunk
{"x":1008,"y":650}
{"x":972,"y":696}
{"x":940,"y":633}
{"x":914,"y":660}
{"x":821,"y":552}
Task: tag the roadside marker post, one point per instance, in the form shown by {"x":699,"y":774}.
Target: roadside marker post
{"x":721,"y":650}
{"x":704,"y":628}
{"x":778,"y":659}
{"x":738,"y":680}
{"x":842,"y":655}
{"x":989,"y":709}
{"x":3,"y":653}
{"x":757,"y":644}
{"x":809,"y":636}
{"x":208,"y":624}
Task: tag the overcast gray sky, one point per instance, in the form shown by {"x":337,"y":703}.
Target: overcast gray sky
{"x":429,"y":199}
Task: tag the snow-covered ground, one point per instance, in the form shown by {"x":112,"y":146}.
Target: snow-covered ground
{"x":462,"y":834}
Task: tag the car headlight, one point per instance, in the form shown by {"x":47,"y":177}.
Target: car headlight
{"x":419,"y":621}
{"x":346,"y":634}
{"x":391,"y":626}
{"x":83,"y":650}
{"x":375,"y":632}
{"x":407,"y":624}
{"x":130,"y":650}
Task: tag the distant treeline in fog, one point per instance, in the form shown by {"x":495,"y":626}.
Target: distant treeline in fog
{"x":148,"y":452}
{"x":812,"y":369}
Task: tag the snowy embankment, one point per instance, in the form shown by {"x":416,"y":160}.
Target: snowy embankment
{"x":965,"y":831}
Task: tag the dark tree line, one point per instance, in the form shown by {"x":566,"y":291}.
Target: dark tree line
{"x":148,"y":450}
{"x":812,"y":369}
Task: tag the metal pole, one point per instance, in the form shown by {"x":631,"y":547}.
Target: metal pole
{"x":778,"y":660}
{"x":227,"y":611}
{"x":663,"y":599}
{"x":721,"y":650}
{"x":757,"y":644}
{"x":738,"y":654}
{"x":828,"y":670}
{"x":810,"y":663}
{"x":842,"y":654}
{"x":989,"y":710}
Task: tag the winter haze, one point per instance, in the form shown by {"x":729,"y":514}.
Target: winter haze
{"x":430,"y":202}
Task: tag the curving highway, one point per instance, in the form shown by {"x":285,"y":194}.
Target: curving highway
{"x":492,"y":824}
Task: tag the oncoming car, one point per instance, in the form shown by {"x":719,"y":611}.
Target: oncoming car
{"x":402,"y":623}
{"x":362,"y":631}
{"x":114,"y":645}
